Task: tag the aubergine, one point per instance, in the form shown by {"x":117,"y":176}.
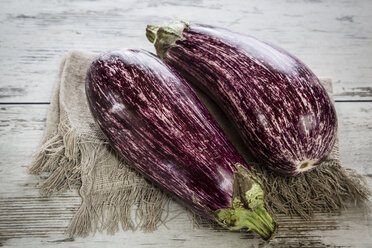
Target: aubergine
{"x":278,"y":106}
{"x":155,"y":120}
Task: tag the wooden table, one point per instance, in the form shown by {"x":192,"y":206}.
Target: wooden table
{"x":334,"y":38}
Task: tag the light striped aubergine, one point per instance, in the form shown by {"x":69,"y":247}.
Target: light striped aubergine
{"x":278,"y":105}
{"x":155,"y":120}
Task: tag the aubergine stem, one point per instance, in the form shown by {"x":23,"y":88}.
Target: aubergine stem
{"x":151,"y":33}
{"x":247,"y":210}
{"x":166,"y":36}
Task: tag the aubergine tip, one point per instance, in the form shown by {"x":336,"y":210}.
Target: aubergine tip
{"x":304,"y":166}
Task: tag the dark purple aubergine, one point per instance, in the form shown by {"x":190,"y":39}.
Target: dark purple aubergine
{"x":277,"y":104}
{"x":154,"y":119}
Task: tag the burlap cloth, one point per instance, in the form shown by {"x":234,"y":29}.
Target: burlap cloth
{"x":75,"y":154}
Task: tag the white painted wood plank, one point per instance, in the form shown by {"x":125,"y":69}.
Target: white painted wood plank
{"x":27,"y":220}
{"x":333,"y":37}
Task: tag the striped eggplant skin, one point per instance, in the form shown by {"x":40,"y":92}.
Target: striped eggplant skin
{"x":278,"y":105}
{"x":155,"y":120}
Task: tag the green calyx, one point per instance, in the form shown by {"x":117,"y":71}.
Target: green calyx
{"x":247,"y":210}
{"x":166,"y":36}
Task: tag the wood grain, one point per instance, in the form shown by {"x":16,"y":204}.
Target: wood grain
{"x":28,"y":220}
{"x":332,"y":37}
